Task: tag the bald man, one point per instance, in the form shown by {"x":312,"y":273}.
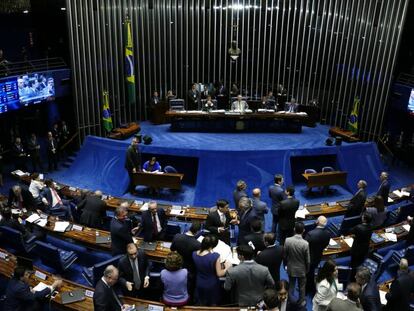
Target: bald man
{"x":384,"y":188}
{"x":318,"y":240}
{"x":259,"y":206}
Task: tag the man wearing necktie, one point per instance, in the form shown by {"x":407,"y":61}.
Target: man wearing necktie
{"x":154,"y":223}
{"x":54,"y":202}
{"x":105,"y":297}
{"x":134,"y":271}
{"x":239,"y":105}
{"x":51,"y":151}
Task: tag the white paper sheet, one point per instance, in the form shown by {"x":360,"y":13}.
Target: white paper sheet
{"x":39,"y":287}
{"x":390,"y":200}
{"x":390,"y":236}
{"x":332,"y":242}
{"x":32,"y":218}
{"x":60,"y":226}
{"x":382,"y":297}
{"x":41,"y":222}
{"x":406,"y":227}
{"x":176,"y":212}
{"x":144,"y":207}
{"x":301,"y":213}
{"x":349,"y":241}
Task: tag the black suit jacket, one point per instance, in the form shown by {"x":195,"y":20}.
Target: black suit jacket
{"x":133,"y":159}
{"x":103,"y":298}
{"x":185,"y":245}
{"x":384,"y":190}
{"x":146,"y":222}
{"x":28,"y":200}
{"x":287,"y":210}
{"x":192,"y":100}
{"x":120,"y":235}
{"x":398,"y":298}
{"x":126,"y":273}
{"x":246,"y":219}
{"x":370,"y":298}
{"x":256,"y":239}
{"x":362,"y":235}
{"x":213,"y":222}
{"x":277,"y":195}
{"x":356,"y":204}
{"x":52,"y":148}
{"x":272,"y":257}
{"x":237,"y":195}
{"x":318,"y":240}
{"x":19,"y":296}
{"x":93,"y":211}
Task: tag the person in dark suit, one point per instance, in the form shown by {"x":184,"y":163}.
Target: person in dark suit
{"x":21,"y":197}
{"x":277,"y":195}
{"x":19,"y":155}
{"x":399,"y":295}
{"x":93,"y":210}
{"x":370,"y":297}
{"x":255,"y":237}
{"x":410,"y":237}
{"x":53,"y":202}
{"x":360,"y":247}
{"x":287,"y":210}
{"x":155,"y":99}
{"x":356,"y":204}
{"x":193,"y":98}
{"x":52,"y":151}
{"x":318,"y":240}
{"x":218,"y":221}
{"x":8,"y":220}
{"x":121,"y":230}
{"x":105,"y":297}
{"x":286,"y":301}
{"x":185,"y":244}
{"x":259,"y":206}
{"x":154,"y":223}
{"x":272,"y":256}
{"x":132,"y":163}
{"x":239,"y":192}
{"x":19,"y":296}
{"x":134,"y":271}
{"x":33,"y":147}
{"x":384,"y":188}
{"x":246,"y":216}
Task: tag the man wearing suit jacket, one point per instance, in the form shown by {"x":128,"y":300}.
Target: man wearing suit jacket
{"x":287,"y":211}
{"x":19,"y":296}
{"x":52,"y":152}
{"x":193,"y":98}
{"x":297,"y":259}
{"x":19,"y":155}
{"x":154,"y":223}
{"x":247,"y":216}
{"x":132,"y":163}
{"x":105,"y":298}
{"x":93,"y":210}
{"x":351,"y":303}
{"x":356,"y":204}
{"x":239,"y":192}
{"x":53,"y":202}
{"x":249,"y":279}
{"x":362,"y":236}
{"x":399,"y":296}
{"x":318,"y":240}
{"x":384,"y":188}
{"x":259,"y":206}
{"x":277,"y":195}
{"x":134,"y":270}
{"x":20,"y":197}
{"x":255,"y":237}
{"x":185,"y":244}
{"x":370,"y":297}
{"x":272,"y":256}
{"x":121,"y":230}
{"x":218,"y":221}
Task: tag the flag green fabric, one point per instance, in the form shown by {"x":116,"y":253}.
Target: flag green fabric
{"x":129,"y":63}
{"x":353,"y":118}
{"x":106,"y":113}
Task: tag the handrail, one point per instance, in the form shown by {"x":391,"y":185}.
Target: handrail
{"x":16,"y":68}
{"x":69,"y":140}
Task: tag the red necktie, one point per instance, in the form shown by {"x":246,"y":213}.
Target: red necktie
{"x":57,"y":196}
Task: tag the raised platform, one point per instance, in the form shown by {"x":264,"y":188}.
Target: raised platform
{"x":213,"y":162}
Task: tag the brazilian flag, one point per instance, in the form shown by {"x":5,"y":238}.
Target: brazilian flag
{"x":106,"y":113}
{"x":129,"y":63}
{"x":353,"y":118}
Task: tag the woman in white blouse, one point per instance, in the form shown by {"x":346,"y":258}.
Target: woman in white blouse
{"x":36,"y":186}
{"x":326,"y":286}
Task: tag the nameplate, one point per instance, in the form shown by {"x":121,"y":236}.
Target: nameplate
{"x":40,"y":275}
{"x":77,"y":228}
{"x":89,"y":293}
{"x":155,"y":308}
{"x":3,"y":255}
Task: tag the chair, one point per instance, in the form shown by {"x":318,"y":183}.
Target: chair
{"x":375,"y":264}
{"x":170,"y":169}
{"x":346,"y":225}
{"x":177,"y":105}
{"x":310,"y":171}
{"x":171,"y":231}
{"x":94,"y":273}
{"x":14,"y":239}
{"x":54,"y":257}
{"x":326,"y":169}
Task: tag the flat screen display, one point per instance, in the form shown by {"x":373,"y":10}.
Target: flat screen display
{"x":9,"y":96}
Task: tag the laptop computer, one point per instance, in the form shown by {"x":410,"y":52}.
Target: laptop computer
{"x":148,"y":246}
{"x":72,"y":296}
{"x":103,"y":239}
{"x":314,"y":208}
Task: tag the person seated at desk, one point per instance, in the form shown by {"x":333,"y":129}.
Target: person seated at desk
{"x":209,"y":104}
{"x":239,"y":105}
{"x":170,"y":95}
{"x":292,"y":106}
{"x":53,"y":202}
{"x":20,"y":197}
{"x":93,"y":210}
{"x":151,"y":166}
{"x":270,"y":96}
{"x":154,"y":223}
{"x":105,"y":298}
{"x":7,"y":220}
{"x":134,"y":271}
{"x":19,"y":295}
{"x":268,"y":103}
{"x":35,"y":188}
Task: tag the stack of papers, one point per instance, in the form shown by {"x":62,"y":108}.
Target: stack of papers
{"x":39,"y":287}
{"x":382,"y":297}
{"x":61,"y":226}
{"x":301,"y":213}
{"x":390,"y":236}
{"x":32,"y":218}
{"x":177,"y":212}
{"x":333,"y":244}
{"x":349,"y":241}
{"x":401,"y":193}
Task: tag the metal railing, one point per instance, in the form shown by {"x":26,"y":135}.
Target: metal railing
{"x":17,"y":68}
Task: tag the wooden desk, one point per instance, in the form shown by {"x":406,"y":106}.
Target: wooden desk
{"x":347,"y":136}
{"x":326,"y":210}
{"x":8,"y":265}
{"x":345,"y":249}
{"x":325,"y":179}
{"x":165,"y":180}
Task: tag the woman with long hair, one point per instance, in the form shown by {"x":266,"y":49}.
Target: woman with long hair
{"x":326,"y":286}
